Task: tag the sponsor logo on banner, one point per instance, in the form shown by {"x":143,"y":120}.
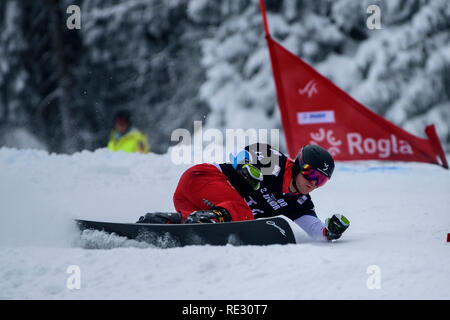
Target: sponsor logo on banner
{"x":383,"y":148}
{"x":315,"y":117}
{"x":357,"y":144}
{"x":310,"y":89}
{"x":326,"y":136}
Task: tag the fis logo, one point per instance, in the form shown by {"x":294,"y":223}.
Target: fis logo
{"x":310,"y":89}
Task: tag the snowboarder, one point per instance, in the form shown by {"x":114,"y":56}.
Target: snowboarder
{"x":124,"y":137}
{"x":261,"y":182}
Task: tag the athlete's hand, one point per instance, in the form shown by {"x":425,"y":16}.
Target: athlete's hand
{"x":335,"y":226}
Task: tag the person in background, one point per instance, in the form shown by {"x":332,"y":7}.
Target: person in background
{"x":124,"y":137}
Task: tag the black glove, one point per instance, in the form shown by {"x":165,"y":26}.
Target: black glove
{"x":251,"y":174}
{"x":160,"y":217}
{"x":335,"y":226}
{"x":213,"y":215}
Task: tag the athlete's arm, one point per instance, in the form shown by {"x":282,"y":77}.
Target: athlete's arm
{"x":312,"y":225}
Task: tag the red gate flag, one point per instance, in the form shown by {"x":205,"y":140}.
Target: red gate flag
{"x":315,"y":111}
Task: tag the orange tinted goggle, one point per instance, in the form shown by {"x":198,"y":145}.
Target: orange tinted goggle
{"x":311,"y":174}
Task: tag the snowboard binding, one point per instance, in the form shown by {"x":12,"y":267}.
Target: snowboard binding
{"x":213,"y":215}
{"x":160,"y":217}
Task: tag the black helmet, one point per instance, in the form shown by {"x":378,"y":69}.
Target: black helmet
{"x":124,"y":114}
{"x":317,"y":157}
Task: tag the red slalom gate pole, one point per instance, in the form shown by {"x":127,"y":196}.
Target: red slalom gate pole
{"x":263,"y":12}
{"x":448,"y":237}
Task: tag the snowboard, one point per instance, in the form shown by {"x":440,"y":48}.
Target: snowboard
{"x":264,"y":231}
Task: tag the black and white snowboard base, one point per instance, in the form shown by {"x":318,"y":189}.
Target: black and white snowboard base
{"x":266,"y":231}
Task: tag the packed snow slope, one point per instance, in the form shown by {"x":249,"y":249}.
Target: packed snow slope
{"x":399,"y":215}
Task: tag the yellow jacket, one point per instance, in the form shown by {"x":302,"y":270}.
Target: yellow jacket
{"x":133,"y":141}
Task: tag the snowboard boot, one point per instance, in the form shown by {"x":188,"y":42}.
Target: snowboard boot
{"x":160,"y":217}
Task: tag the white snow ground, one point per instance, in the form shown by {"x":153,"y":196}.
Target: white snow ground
{"x":399,"y":215}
